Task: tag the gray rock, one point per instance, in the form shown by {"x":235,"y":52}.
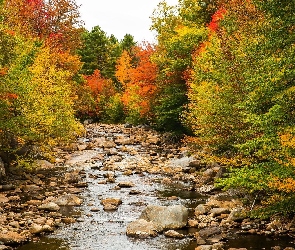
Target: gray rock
{"x":171,"y":217}
{"x":201,"y":209}
{"x":142,"y":229}
{"x":209,"y":231}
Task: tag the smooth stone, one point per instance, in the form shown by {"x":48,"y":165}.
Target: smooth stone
{"x":142,"y":229}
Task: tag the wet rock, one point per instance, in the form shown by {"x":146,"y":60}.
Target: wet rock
{"x":134,"y":192}
{"x":207,"y":232}
{"x":170,"y":217}
{"x":102,"y":182}
{"x":125,"y":184}
{"x":173,"y":234}
{"x":47,"y":229}
{"x":111,"y":203}
{"x":68,"y":220}
{"x":215,"y":238}
{"x":166,"y":181}
{"x":109,"y":207}
{"x":68,"y":200}
{"x":50,"y":206}
{"x":12,"y":238}
{"x":94,"y":209}
{"x":142,"y":229}
{"x":81,"y":184}
{"x":201,"y":209}
{"x":36,"y":229}
{"x":237,"y":248}
{"x":128,"y":172}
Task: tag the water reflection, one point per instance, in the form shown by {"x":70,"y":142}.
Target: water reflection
{"x":46,"y":244}
{"x":258,"y":242}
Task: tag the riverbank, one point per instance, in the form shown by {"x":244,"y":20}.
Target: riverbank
{"x":137,"y":167}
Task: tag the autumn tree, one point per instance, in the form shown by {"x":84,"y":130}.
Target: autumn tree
{"x":138,"y":79}
{"x":241,"y":98}
{"x":56,"y":21}
{"x":180,"y":29}
{"x":101,"y":52}
{"x":38,"y":70}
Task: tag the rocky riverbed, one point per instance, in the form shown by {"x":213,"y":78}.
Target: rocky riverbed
{"x":129,"y":187}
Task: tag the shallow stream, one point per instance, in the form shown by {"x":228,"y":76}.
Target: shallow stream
{"x":96,"y":229}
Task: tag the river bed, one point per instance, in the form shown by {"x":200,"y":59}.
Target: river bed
{"x":98,"y":229}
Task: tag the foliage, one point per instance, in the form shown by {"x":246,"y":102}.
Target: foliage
{"x":101,"y":52}
{"x":107,"y":105}
{"x":180,"y":29}
{"x":137,"y":78}
{"x":37,"y":76}
{"x":241,"y":96}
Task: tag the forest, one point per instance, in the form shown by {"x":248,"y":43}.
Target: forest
{"x":221,"y":75}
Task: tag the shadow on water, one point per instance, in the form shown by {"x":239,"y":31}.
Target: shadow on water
{"x":46,"y":244}
{"x":258,"y":242}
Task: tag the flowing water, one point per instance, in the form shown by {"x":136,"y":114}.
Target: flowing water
{"x":99,"y":229}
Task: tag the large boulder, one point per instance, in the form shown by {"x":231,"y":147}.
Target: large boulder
{"x":170,"y":217}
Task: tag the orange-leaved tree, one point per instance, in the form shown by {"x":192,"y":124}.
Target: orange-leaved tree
{"x":138,"y":81}
{"x":107,"y":105}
